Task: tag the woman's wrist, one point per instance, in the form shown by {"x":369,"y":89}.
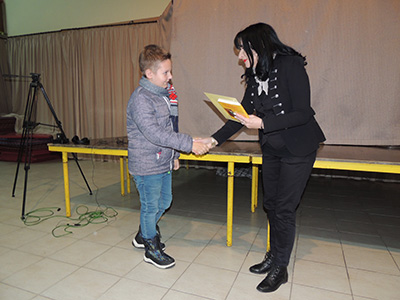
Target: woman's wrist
{"x":213,"y":142}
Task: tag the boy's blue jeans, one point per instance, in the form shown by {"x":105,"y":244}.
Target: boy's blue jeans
{"x":155,"y":193}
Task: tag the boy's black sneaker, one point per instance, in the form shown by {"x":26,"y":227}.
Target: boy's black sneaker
{"x":138,"y":241}
{"x":155,"y":255}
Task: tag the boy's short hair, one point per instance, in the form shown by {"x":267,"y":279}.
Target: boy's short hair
{"x":151,"y":56}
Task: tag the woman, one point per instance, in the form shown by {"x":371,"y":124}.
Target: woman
{"x":277,"y":99}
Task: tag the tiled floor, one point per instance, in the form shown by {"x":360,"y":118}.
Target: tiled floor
{"x":347,"y":246}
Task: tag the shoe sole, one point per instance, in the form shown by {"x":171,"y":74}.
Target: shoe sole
{"x":141,"y":246}
{"x":285,"y":280}
{"x":148,"y":260}
{"x":137,"y":245}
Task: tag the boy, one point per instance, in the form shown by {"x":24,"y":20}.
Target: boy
{"x":152,"y":148}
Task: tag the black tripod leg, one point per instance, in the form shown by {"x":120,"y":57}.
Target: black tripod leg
{"x":27,"y":119}
{"x":28,"y":157}
{"x":62,"y":132}
{"x":83,"y":176}
{"x":20,"y":152}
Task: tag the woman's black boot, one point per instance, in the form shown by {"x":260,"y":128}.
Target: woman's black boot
{"x":264,"y":266}
{"x":275,"y":278}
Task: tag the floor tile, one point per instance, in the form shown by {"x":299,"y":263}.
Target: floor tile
{"x":184,"y":250}
{"x":242,"y":237}
{"x":116,"y":261}
{"x":396,"y":257}
{"x":362,"y":240}
{"x":41,"y":275}
{"x":148,"y":273}
{"x":3,"y":250}
{"x":392,"y":243}
{"x":260,"y":241}
{"x":109,"y":235}
{"x":14,"y":261}
{"x":388,"y":230}
{"x":354,"y":216}
{"x":80,"y":252}
{"x":83,"y":284}
{"x":374,"y":285}
{"x":47,"y":245}
{"x":347,"y":242}
{"x":10,"y":292}
{"x":20,"y":237}
{"x":376,"y":260}
{"x":357,"y":227}
{"x":252,"y":258}
{"x":319,"y":233}
{"x":7,"y":229}
{"x":300,"y":292}
{"x":175,"y":295}
{"x":126,"y":219}
{"x":126,"y":289}
{"x":198,"y":231}
{"x":205,"y":281}
{"x":320,"y":251}
{"x":319,"y":222}
{"x":171,"y":223}
{"x":221,"y":256}
{"x":386,"y":220}
{"x":323,"y":276}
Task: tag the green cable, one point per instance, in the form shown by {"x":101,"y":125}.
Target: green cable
{"x":85,"y":217}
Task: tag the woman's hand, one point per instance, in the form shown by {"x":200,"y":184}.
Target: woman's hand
{"x":209,"y":141}
{"x":200,"y":148}
{"x":252,"y":122}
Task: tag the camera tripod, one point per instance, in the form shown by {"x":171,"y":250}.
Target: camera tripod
{"x":29,"y":124}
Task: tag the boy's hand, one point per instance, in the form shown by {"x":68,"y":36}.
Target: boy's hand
{"x":209,"y":141}
{"x":176,"y":164}
{"x":200,"y":148}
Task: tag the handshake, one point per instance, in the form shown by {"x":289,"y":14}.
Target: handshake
{"x":203,"y":145}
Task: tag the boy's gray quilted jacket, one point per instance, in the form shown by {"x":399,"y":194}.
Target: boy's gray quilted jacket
{"x":152,"y":140}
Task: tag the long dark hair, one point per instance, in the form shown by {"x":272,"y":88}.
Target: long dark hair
{"x":263,"y":39}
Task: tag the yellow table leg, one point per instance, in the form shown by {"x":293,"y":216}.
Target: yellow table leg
{"x":121,"y":168}
{"x":254,"y":188}
{"x":231,"y":174}
{"x":66,"y":184}
{"x":128,"y":177}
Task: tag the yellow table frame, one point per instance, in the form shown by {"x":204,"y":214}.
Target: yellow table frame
{"x":123,"y":154}
{"x":231,"y":159}
{"x":364,"y":166}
